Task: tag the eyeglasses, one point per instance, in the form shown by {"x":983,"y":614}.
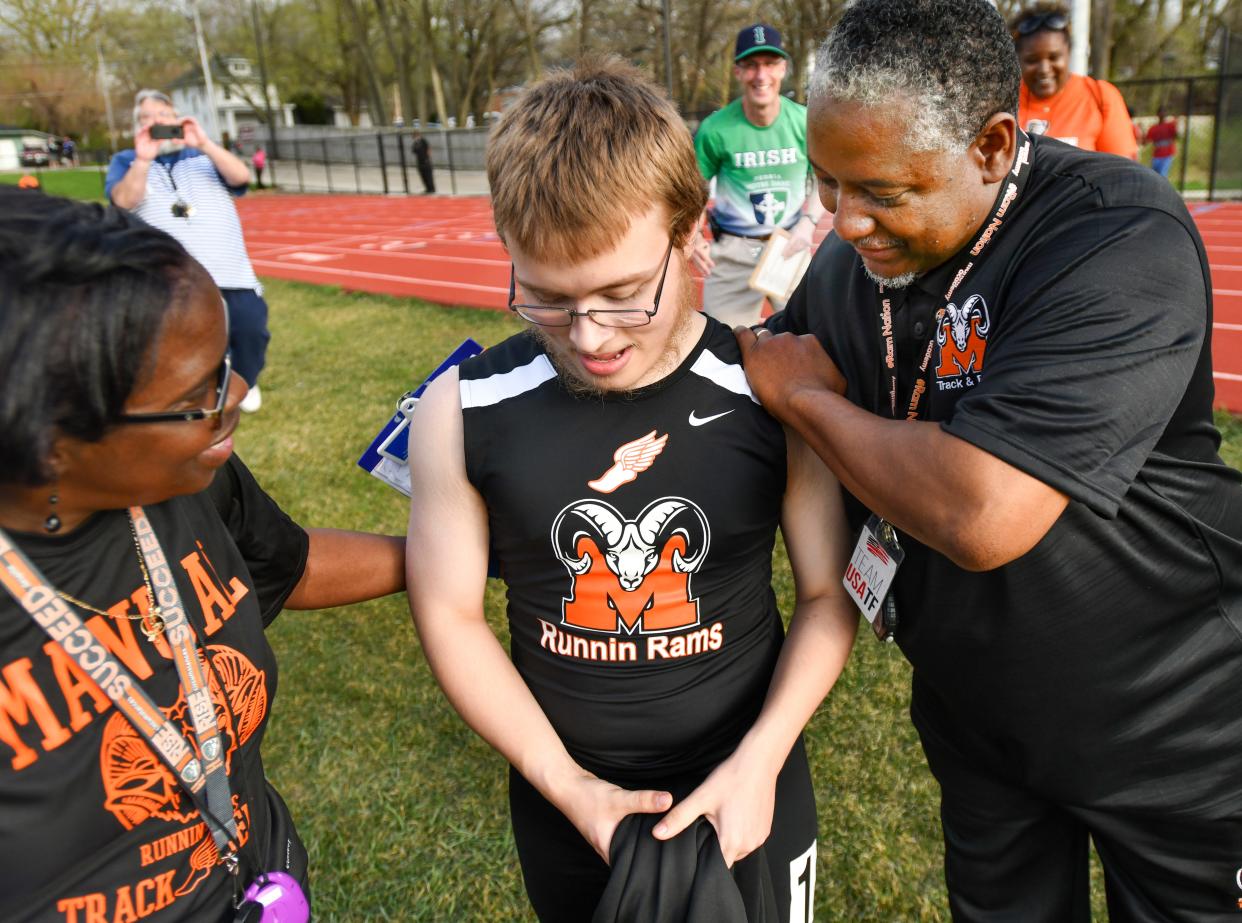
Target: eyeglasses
{"x":1056,"y":22}
{"x":606,"y":317}
{"x":223,"y":378}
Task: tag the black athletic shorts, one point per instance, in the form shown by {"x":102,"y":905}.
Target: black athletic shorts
{"x":565,"y":877}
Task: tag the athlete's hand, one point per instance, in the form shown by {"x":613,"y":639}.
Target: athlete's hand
{"x":782,"y":365}
{"x":701,"y":255}
{"x":596,"y":807}
{"x":737,"y":799}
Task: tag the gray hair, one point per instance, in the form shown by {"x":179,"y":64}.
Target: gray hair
{"x":953,"y":59}
{"x":143,"y":95}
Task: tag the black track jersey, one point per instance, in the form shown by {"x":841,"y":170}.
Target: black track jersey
{"x":1078,"y":351}
{"x":635,"y":533}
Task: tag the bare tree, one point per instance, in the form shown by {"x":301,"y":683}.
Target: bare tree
{"x":50,"y":28}
{"x":364,"y":46}
{"x":394,"y":26}
{"x":1101,"y":37}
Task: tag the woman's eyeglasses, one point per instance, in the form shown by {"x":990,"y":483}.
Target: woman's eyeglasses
{"x":1055,"y":22}
{"x":224,"y":376}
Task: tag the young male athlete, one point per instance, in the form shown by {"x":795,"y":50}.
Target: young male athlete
{"x":614,"y":463}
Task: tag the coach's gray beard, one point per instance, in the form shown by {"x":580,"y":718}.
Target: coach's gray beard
{"x":895,"y":282}
{"x":579,"y":385}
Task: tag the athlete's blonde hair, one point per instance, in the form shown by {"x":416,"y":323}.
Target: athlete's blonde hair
{"x":585,"y":151}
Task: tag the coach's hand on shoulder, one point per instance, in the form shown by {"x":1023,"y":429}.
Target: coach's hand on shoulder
{"x":780,"y":366}
{"x":738,"y":799}
{"x":596,"y":807}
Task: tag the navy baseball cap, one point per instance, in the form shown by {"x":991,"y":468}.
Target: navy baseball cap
{"x":756,"y":38}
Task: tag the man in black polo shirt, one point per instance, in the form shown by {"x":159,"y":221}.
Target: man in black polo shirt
{"x":1017,"y":378}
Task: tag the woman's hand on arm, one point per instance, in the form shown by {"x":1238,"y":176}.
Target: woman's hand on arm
{"x":738,"y":797}
{"x":446,"y":571}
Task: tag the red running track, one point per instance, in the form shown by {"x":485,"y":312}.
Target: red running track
{"x":445,"y":249}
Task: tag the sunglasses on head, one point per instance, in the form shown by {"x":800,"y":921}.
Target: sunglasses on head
{"x":1053,"y":21}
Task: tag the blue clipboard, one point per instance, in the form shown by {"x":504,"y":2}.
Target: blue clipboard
{"x":388,"y":454}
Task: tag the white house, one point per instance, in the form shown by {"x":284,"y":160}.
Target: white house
{"x":340,"y":118}
{"x":239,"y":97}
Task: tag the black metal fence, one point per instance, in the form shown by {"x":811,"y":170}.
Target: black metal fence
{"x":319,"y":159}
{"x":1208,"y":109}
{"x":308,"y":158}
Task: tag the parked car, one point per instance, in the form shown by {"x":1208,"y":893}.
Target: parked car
{"x":34,"y":153}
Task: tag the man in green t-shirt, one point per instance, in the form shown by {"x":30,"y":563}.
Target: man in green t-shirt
{"x":755,"y":148}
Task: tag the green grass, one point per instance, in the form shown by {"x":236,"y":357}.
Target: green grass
{"x":71,"y":182}
{"x":1231,"y":438}
{"x":403,"y":809}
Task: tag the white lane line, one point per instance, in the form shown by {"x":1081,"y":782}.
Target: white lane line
{"x":359,"y":274}
{"x":305,"y":256}
{"x":325,"y":244}
{"x":398,"y":255}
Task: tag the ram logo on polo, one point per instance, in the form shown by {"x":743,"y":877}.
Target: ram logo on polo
{"x":631,"y":574}
{"x":963,"y":338}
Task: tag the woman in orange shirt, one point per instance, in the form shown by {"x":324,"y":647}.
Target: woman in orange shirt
{"x":1078,"y":110}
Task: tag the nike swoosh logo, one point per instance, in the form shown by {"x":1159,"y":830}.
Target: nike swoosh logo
{"x":699,"y":421}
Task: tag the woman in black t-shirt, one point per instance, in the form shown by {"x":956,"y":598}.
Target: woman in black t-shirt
{"x":140,"y":564}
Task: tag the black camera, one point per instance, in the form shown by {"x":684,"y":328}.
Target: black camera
{"x":163,"y":132}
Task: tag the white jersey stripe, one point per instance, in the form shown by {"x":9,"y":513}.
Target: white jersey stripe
{"x":731,"y":377}
{"x":484,"y":392}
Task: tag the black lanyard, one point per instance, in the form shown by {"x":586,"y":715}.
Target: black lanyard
{"x":168,"y":168}
{"x":966,"y":262}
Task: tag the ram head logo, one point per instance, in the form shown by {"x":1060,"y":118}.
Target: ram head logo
{"x":967,"y":328}
{"x":610,"y":558}
{"x":959,"y":321}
